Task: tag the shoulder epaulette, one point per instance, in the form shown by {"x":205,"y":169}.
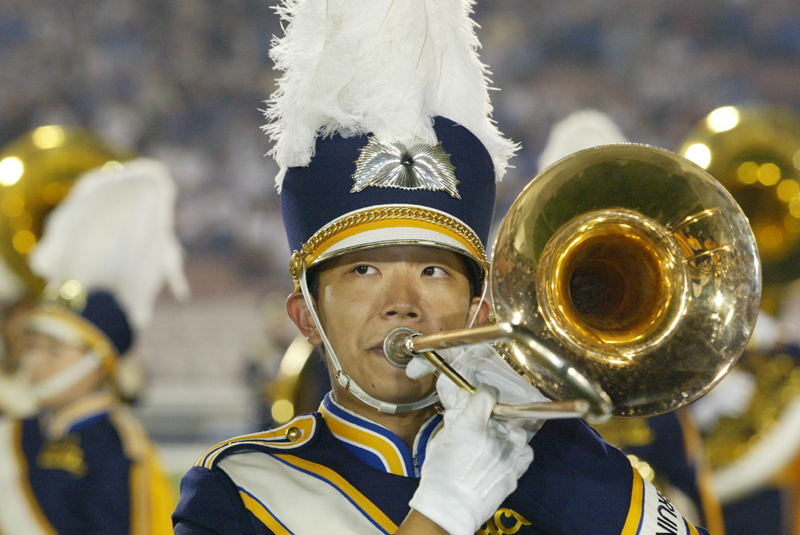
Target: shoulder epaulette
{"x":290,"y":436}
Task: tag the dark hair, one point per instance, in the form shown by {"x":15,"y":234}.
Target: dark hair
{"x":472,"y":268}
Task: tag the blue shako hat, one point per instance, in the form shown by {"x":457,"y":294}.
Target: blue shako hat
{"x":322,"y":193}
{"x":104,"y":313}
{"x":382,"y":129}
{"x":95,"y":319}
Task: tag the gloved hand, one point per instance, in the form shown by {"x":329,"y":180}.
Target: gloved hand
{"x":481,"y":365}
{"x":470,"y":467}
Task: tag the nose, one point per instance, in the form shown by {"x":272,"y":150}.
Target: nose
{"x":402,"y":298}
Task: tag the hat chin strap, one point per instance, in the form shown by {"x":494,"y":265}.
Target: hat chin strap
{"x":345,"y":381}
{"x":67,"y":378}
{"x":22,"y":399}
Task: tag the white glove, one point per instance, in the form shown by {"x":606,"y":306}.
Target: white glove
{"x":481,"y":365}
{"x":470,"y":468}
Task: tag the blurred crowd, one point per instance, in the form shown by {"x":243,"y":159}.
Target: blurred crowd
{"x":183,"y":81}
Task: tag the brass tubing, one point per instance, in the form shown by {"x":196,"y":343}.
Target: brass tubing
{"x":577,"y":408}
{"x":440,"y":364}
{"x":600,"y":405}
{"x":461,"y":337}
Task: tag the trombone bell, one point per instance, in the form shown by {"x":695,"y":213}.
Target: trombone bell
{"x":637,"y":267}
{"x":610,"y":281}
{"x":624,"y":276}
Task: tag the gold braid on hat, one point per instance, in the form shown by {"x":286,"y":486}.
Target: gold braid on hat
{"x":416,"y":213}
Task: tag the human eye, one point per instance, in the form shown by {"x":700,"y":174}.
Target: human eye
{"x":363,"y":269}
{"x":434,"y":271}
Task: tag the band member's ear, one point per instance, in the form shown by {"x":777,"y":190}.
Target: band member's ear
{"x":301,"y":316}
{"x":482,"y":308}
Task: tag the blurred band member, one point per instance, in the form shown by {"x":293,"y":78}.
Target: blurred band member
{"x":72,"y":457}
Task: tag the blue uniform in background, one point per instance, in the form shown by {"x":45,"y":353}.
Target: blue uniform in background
{"x":90,"y":469}
{"x":673,"y":449}
{"x":337,"y":472}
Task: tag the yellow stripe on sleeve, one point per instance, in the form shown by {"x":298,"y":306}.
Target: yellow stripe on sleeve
{"x":25,"y":482}
{"x":263,"y":515}
{"x":635,"y":511}
{"x":369,"y":508}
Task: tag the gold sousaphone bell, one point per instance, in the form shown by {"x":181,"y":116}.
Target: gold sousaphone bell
{"x":754,"y":151}
{"x":626,"y":281}
{"x":37,"y":170}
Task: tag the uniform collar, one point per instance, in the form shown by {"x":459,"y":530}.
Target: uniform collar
{"x":79,"y":412}
{"x":376,"y":445}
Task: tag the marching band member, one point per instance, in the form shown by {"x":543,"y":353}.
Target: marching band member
{"x":14,"y":313}
{"x":388,"y":166}
{"x":37,"y":169}
{"x":79,"y":462}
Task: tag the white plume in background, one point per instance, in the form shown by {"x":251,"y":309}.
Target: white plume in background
{"x":383,"y":67}
{"x":115,"y":231}
{"x":580,"y":130}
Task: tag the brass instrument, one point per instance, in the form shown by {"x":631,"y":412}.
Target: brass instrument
{"x":623,"y":274}
{"x":37,"y":171}
{"x":754,"y":151}
{"x":295,"y":389}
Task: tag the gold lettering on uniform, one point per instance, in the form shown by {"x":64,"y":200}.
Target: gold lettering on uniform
{"x":497,"y":526}
{"x":488,"y":529}
{"x":65,"y":454}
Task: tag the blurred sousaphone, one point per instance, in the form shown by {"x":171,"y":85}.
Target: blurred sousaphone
{"x":754,"y":151}
{"x":626,"y":268}
{"x":299,"y":385}
{"x":37,"y":171}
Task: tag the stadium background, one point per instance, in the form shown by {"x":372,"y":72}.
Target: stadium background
{"x":184,"y":80}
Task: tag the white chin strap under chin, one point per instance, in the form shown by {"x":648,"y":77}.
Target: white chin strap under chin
{"x":67,"y":378}
{"x":345,"y":381}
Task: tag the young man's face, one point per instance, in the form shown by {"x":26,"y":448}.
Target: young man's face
{"x":12,"y":331}
{"x":46,"y":357}
{"x":365,"y":295}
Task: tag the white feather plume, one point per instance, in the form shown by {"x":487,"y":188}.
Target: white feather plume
{"x":580,"y":130}
{"x":115,"y":231}
{"x":378,"y":66}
